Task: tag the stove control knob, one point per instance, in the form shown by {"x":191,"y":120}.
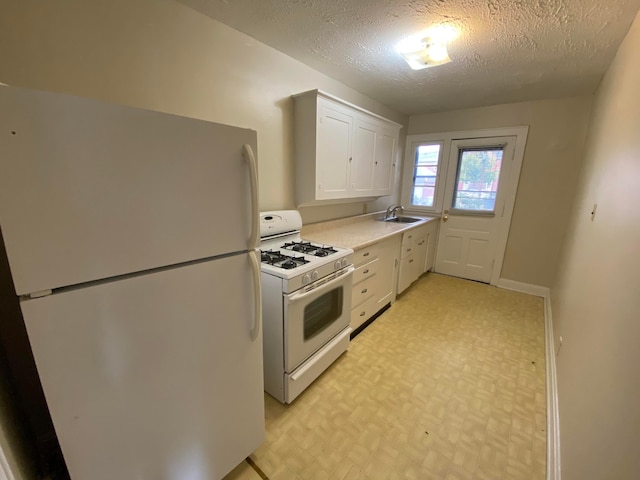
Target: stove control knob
{"x":306,"y":279}
{"x":344,"y":262}
{"x":337,"y":265}
{"x":314,"y":275}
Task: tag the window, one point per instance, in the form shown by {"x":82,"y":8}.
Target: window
{"x":425,"y":174}
{"x":477,"y":178}
{"x":458,"y":171}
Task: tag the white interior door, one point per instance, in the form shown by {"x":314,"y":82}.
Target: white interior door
{"x":479,"y":185}
{"x":153,"y":376}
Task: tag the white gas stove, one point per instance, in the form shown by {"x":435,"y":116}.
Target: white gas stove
{"x":285,"y":255}
{"x":306,"y":304}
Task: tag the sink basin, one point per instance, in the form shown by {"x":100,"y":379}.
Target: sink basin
{"x":400,"y":220}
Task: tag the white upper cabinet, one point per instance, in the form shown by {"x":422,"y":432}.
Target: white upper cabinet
{"x":343,"y":153}
{"x":363,"y":154}
{"x":335,"y":132}
{"x":384,"y":161}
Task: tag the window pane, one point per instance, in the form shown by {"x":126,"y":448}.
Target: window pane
{"x":425,"y":172}
{"x":477,"y":182}
{"x":423,"y":196}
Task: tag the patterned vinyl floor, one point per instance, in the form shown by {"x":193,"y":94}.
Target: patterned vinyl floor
{"x":447,"y":384}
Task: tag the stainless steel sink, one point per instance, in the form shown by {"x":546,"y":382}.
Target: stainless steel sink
{"x":400,"y":219}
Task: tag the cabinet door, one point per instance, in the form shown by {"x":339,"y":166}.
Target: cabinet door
{"x":420,"y":252}
{"x":432,"y":237}
{"x":428,"y":261}
{"x":335,"y":127}
{"x":406,"y":276}
{"x":364,"y":149}
{"x":384,"y":161}
{"x":387,"y":270}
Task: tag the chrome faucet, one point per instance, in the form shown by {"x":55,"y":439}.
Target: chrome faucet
{"x":391,"y":211}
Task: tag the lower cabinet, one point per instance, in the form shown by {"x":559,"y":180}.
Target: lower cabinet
{"x":373,"y":279}
{"x":432,"y":238}
{"x":413,"y":256}
{"x":388,"y":267}
{"x":389,"y":255}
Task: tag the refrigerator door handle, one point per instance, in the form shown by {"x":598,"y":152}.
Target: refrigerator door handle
{"x":257,"y":295}
{"x":247,"y":154}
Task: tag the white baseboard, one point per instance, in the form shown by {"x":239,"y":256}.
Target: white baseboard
{"x":536,"y":290}
{"x":553,"y":421}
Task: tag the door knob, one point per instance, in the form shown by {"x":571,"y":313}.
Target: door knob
{"x":445,"y":217}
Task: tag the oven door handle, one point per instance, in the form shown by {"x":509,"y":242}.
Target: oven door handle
{"x":294,"y":297}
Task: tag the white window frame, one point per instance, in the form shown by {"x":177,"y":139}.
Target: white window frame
{"x":446,"y":139}
{"x":413,"y":142}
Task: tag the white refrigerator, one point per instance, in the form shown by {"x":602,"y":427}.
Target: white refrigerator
{"x":131,"y":240}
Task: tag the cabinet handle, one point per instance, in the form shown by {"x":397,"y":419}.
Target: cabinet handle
{"x":362,"y":314}
{"x":350,"y":158}
{"x":408,"y":249}
{"x":411,"y":261}
{"x":366,"y":254}
{"x":376,"y":163}
{"x":366,"y":271}
{"x":365,"y":290}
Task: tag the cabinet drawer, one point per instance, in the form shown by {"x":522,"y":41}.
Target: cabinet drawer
{"x":365,"y":271}
{"x":407,"y":250}
{"x":363,"y":313}
{"x":414,"y":235}
{"x":363,"y":291}
{"x":365,"y":255}
{"x":407,"y":238}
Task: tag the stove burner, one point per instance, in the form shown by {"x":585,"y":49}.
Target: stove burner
{"x":280,"y":260}
{"x":309,"y":248}
{"x":271,"y":257}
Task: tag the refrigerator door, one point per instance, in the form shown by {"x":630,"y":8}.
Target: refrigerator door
{"x":154,"y":376}
{"x":90,"y":190}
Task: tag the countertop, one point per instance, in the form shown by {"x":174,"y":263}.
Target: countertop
{"x":359,"y":231}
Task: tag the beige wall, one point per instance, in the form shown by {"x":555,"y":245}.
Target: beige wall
{"x":596,"y":298}
{"x":547,"y":182}
{"x":161,"y":55}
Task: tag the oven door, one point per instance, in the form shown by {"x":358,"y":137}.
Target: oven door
{"x":314,"y":315}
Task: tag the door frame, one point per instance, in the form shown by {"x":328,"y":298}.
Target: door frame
{"x":510,"y":185}
{"x":5,"y":469}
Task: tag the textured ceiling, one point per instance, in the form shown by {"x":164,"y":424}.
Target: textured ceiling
{"x":507,"y":50}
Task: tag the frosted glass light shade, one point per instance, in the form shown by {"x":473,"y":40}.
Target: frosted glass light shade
{"x":429,"y":53}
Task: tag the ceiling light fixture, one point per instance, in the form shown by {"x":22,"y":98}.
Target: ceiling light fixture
{"x":427,"y":48}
